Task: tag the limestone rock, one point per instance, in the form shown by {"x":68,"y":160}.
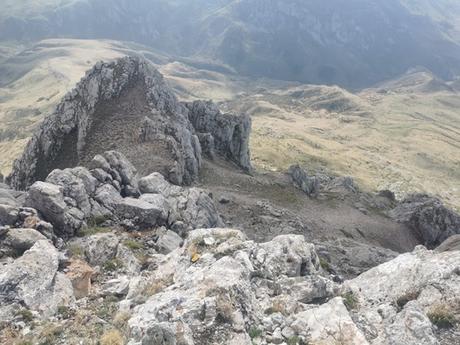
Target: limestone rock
{"x":451,"y":244}
{"x":20,"y":240}
{"x":33,"y":280}
{"x":329,"y":323}
{"x":48,"y":199}
{"x":227,"y":134}
{"x":192,"y":206}
{"x":100,"y":248}
{"x":168,"y":241}
{"x":141,"y":213}
{"x":396,"y":297}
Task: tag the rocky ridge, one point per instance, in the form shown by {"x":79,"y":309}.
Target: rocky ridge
{"x":129,"y":99}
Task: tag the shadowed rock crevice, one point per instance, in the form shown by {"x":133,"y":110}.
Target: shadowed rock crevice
{"x":126,"y":106}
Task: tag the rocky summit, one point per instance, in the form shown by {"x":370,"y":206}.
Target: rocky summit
{"x":125,"y":105}
{"x":133,"y":218}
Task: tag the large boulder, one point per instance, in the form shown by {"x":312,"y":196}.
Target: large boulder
{"x":33,"y":281}
{"x":142,"y":213}
{"x":48,"y":199}
{"x":17,"y":241}
{"x":427,"y":215}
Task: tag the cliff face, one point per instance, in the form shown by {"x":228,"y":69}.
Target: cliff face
{"x":126,"y":106}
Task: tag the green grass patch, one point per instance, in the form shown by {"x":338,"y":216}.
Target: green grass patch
{"x":112,"y":265}
{"x":255,"y":332}
{"x":133,"y":245}
{"x":350,"y":300}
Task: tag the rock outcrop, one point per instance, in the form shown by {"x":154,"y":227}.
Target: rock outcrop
{"x":300,"y":179}
{"x":428,"y":217}
{"x":126,"y":106}
{"x":226,"y":134}
{"x":220,"y":288}
{"x":111,"y":193}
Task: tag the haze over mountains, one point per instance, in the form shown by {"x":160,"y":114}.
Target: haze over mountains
{"x":354,"y":43}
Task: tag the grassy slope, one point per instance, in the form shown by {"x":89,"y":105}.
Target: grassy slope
{"x":402,"y":135}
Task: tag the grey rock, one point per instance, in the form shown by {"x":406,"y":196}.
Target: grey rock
{"x":451,"y":244}
{"x":119,"y":168}
{"x":117,"y":287}
{"x":411,"y":327}
{"x":192,"y":207}
{"x":428,"y":217}
{"x":48,"y":199}
{"x":20,"y":240}
{"x":142,"y":213}
{"x":154,"y":183}
{"x":34,"y":281}
{"x":100,"y":248}
{"x":131,"y":265}
{"x":168,"y":241}
{"x":7,"y":197}
{"x":230,"y":132}
{"x":9,"y":215}
{"x":288,"y":255}
{"x":308,"y":184}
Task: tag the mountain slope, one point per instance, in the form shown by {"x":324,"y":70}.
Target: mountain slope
{"x":354,"y":43}
{"x":402,"y":135}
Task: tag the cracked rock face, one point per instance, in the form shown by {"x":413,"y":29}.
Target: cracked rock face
{"x":33,"y":281}
{"x":427,"y":215}
{"x":126,"y":106}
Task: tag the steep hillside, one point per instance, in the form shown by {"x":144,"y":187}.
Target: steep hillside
{"x":352,"y":43}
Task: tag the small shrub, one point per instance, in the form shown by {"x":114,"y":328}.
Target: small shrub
{"x":442,"y":316}
{"x":112,"y":337}
{"x":120,"y":321}
{"x":293,"y":340}
{"x":133,"y":245}
{"x":65,"y":312}
{"x":49,"y":334}
{"x":25,"y":314}
{"x":107,"y":308}
{"x":350,"y":300}
{"x":255,"y":332}
{"x":406,"y":298}
{"x":112,"y":265}
{"x":158,"y":285}
{"x":324,"y":264}
{"x":75,"y":251}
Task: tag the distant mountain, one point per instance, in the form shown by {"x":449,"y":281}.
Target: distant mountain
{"x":354,"y":43}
